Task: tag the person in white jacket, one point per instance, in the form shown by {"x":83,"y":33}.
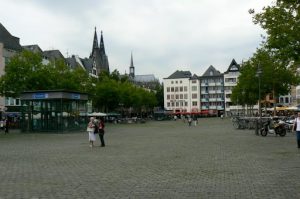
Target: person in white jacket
{"x":90,"y":129}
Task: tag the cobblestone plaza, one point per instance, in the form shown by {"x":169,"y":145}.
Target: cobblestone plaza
{"x":165,"y":159}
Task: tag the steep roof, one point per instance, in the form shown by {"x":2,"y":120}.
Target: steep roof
{"x":145,"y":78}
{"x":33,"y":48}
{"x":87,"y":63}
{"x":71,"y":61}
{"x":211,"y":71}
{"x":9,"y":41}
{"x":194,"y":77}
{"x":53,"y":54}
{"x":180,"y":74}
{"x":233,"y":67}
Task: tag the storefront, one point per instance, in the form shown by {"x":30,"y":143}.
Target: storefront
{"x":53,"y":111}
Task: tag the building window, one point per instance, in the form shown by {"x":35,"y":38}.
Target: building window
{"x":176,"y":89}
{"x":176,"y":82}
{"x":181,"y":89}
{"x":194,"y":96}
{"x":287,"y":100}
{"x":172,"y":82}
{"x":194,"y":103}
{"x":180,"y":82}
{"x":185,"y":103}
{"x":17,"y":101}
{"x":172,"y":89}
{"x":185,"y":96}
{"x":168,"y":96}
{"x":168,"y":89}
{"x":168,"y":104}
{"x":194,"y":88}
{"x":185,"y":88}
{"x":194,"y":81}
{"x":181,"y":96}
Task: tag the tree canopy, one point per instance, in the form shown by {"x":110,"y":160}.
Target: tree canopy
{"x":26,"y":71}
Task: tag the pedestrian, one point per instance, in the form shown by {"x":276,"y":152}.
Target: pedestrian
{"x":190,"y":121}
{"x":195,"y":120}
{"x":6,"y":123}
{"x":296,"y":127}
{"x":90,"y":129}
{"x":101,"y":132}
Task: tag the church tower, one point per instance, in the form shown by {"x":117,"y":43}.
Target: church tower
{"x":98,"y":55}
{"x":131,"y":68}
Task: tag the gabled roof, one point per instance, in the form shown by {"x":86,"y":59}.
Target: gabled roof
{"x":53,"y":54}
{"x":145,"y":78}
{"x":180,"y":74}
{"x":33,"y":48}
{"x":211,"y":71}
{"x":233,"y":67}
{"x":195,"y":77}
{"x":9,"y":41}
{"x":71,"y":61}
{"x":87,"y":63}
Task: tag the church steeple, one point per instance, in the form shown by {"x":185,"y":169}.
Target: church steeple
{"x":102,"y":49}
{"x":95,"y":42}
{"x":98,"y":55}
{"x":131,"y":68}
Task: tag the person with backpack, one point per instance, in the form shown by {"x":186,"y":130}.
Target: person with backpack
{"x":101,"y":132}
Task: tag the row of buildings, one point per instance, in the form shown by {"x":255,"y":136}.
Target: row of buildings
{"x":93,"y":65}
{"x":210,"y":93}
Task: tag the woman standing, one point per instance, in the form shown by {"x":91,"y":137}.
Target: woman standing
{"x":90,"y":130}
{"x":101,"y":132}
{"x":296,"y":128}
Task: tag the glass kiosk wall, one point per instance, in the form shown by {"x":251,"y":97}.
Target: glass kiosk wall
{"x":56,"y":111}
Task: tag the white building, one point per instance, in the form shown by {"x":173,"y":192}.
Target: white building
{"x":182,"y":92}
{"x":230,"y":81}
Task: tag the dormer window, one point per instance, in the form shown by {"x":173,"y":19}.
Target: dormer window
{"x":211,"y":73}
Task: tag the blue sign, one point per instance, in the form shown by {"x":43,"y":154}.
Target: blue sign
{"x":40,"y":95}
{"x":75,"y":96}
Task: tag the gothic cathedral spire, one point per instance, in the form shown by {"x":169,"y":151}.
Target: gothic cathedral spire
{"x":102,"y":49}
{"x":131,"y":68}
{"x":95,"y":42}
{"x":98,"y":55}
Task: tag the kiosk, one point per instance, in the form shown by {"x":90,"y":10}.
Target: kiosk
{"x":53,"y":111}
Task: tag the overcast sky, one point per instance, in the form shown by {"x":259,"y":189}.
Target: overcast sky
{"x":163,"y":35}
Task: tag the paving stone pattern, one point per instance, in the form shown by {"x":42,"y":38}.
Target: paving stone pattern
{"x":166,"y":159}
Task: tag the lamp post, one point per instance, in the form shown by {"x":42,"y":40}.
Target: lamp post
{"x":258,"y":74}
{"x":243,"y":93}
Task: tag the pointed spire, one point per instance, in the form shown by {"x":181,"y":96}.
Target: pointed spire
{"x":131,"y":61}
{"x":95,"y":42}
{"x":131,"y":68}
{"x":102,"y":49}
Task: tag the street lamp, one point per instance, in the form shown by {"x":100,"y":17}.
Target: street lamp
{"x":244,"y":104}
{"x":258,"y":74}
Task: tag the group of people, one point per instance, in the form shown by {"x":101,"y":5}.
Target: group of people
{"x":95,"y":127}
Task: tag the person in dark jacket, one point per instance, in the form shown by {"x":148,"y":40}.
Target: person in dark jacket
{"x":101,"y":132}
{"x":6,"y":125}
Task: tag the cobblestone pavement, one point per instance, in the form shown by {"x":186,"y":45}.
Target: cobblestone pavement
{"x":153,"y":160}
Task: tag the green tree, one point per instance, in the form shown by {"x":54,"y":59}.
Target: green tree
{"x":281,"y":21}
